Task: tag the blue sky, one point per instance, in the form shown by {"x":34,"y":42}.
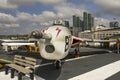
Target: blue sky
{"x":24,"y":16}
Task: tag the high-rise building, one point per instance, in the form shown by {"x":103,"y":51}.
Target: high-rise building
{"x":86,"y":24}
{"x":81,"y":25}
{"x":74,"y":21}
{"x":77,"y":22}
{"x":88,"y":21}
{"x":85,"y":19}
{"x":92,"y":21}
{"x":77,"y":25}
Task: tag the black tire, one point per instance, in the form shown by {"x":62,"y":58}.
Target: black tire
{"x":58,"y":64}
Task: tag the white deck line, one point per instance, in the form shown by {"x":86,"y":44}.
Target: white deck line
{"x":67,"y":60}
{"x":101,"y":73}
{"x":78,"y":58}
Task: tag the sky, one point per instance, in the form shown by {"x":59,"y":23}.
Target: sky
{"x":24,"y":16}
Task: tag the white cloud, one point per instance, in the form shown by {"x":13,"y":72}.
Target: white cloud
{"x":4,"y":4}
{"x":7,"y":20}
{"x":22,"y":16}
{"x":52,"y":1}
{"x":27,"y":22}
{"x":64,"y":11}
{"x":22,"y":2}
{"x":102,"y":21}
{"x":109,"y":6}
{"x":46,"y":16}
{"x":13,"y":4}
{"x":26,"y":19}
{"x":68,"y":10}
{"x":12,"y":25}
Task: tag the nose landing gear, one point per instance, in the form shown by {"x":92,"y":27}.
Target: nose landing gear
{"x":58,"y":64}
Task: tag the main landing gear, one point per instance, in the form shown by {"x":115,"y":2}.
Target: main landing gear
{"x":58,"y":64}
{"x":77,"y":51}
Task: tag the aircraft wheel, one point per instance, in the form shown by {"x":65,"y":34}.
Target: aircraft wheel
{"x":58,"y":64}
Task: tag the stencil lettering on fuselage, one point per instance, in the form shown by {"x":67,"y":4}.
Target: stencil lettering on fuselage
{"x":67,"y":43}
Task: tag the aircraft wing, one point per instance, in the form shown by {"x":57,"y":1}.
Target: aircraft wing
{"x":76,"y":41}
{"x":98,"y":40}
{"x":9,"y":40}
{"x":18,"y":44}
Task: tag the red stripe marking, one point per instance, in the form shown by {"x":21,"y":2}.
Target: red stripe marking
{"x":59,"y":30}
{"x":79,"y":41}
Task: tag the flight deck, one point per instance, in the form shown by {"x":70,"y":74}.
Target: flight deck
{"x":93,"y":64}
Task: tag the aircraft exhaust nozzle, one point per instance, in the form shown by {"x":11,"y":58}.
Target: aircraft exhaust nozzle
{"x":40,"y":35}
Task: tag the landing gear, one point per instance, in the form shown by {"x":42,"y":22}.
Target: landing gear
{"x":77,"y":51}
{"x":58,"y":64}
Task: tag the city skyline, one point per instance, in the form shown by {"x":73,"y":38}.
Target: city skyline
{"x":24,"y":16}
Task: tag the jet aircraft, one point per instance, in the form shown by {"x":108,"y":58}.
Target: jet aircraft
{"x":55,"y":42}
